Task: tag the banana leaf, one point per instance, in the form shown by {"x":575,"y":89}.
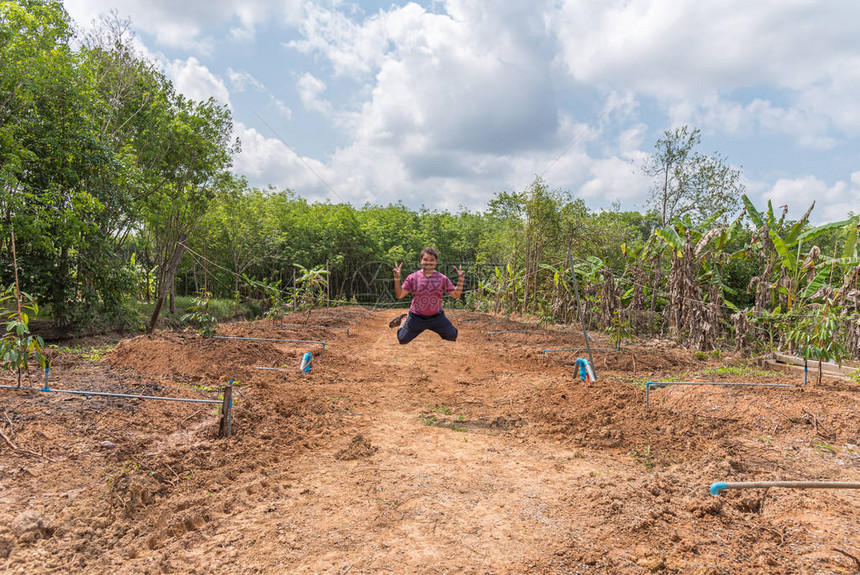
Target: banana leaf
{"x":789,"y":260}
{"x":816,"y":283}
{"x":850,"y":247}
{"x":815,"y":232}
{"x":754,"y":214}
{"x":671,"y":237}
{"x":792,"y":236}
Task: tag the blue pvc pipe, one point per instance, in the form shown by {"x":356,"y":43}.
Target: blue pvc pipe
{"x":651,"y":384}
{"x":104,"y":394}
{"x":716,"y":488}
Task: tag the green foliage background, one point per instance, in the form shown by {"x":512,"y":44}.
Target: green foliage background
{"x":120,"y":191}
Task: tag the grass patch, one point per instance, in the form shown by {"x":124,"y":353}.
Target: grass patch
{"x":430,"y":418}
{"x":90,"y":353}
{"x":637,"y":381}
{"x":740,"y":371}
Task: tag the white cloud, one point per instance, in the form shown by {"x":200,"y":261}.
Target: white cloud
{"x":240,"y":80}
{"x":673,"y":48}
{"x":186,"y":24}
{"x":447,"y":84}
{"x":807,"y":127}
{"x":449,"y":104}
{"x":695,"y":56}
{"x":196,"y":81}
{"x":283,"y":109}
{"x":310,"y":88}
{"x":832,"y":203}
{"x":352,"y":49}
{"x":615,"y":180}
{"x":268,"y":160}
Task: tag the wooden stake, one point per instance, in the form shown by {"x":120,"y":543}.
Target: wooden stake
{"x":226,"y":412}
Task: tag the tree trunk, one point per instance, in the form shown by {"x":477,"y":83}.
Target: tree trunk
{"x":167,"y":280}
{"x":654,"y":287}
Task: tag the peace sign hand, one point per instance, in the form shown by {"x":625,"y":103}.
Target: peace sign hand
{"x":397,"y":268}
{"x":460,"y":273}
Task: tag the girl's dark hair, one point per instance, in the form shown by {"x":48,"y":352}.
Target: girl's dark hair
{"x":429,"y":252}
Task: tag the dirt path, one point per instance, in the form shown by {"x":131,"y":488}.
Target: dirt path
{"x":479,"y":456}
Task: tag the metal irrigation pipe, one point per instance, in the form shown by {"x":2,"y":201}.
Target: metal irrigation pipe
{"x":651,"y":384}
{"x":346,"y":329}
{"x":579,"y":348}
{"x":717,"y":488}
{"x":101,"y":393}
{"x":273,"y":339}
{"x":226,"y":403}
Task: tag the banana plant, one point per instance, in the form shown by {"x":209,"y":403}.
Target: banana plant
{"x":787,"y":251}
{"x":560,"y":296}
{"x":311,"y":286}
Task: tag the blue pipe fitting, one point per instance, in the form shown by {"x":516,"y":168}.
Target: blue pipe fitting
{"x":716,"y":488}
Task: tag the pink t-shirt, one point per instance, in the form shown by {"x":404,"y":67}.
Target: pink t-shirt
{"x":427,"y":292}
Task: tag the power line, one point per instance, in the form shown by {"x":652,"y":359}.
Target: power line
{"x":575,"y":140}
{"x":302,"y":160}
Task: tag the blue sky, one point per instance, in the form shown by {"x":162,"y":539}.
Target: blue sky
{"x":446,"y":103}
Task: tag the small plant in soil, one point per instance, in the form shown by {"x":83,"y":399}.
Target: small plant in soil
{"x":17,"y":343}
{"x":199,"y":315}
{"x":817,"y":336}
{"x":428,"y":419}
{"x":643,"y":456}
{"x":822,"y":447}
{"x":620,"y":330}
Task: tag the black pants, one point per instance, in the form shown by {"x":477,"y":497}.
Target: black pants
{"x":417,"y":323}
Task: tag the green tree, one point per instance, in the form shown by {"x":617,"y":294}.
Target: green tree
{"x":687,"y":182}
{"x":190,"y":168}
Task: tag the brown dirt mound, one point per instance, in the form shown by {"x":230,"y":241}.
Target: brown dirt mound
{"x":484,"y":455}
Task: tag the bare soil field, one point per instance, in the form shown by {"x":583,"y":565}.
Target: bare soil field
{"x":480,"y":456}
